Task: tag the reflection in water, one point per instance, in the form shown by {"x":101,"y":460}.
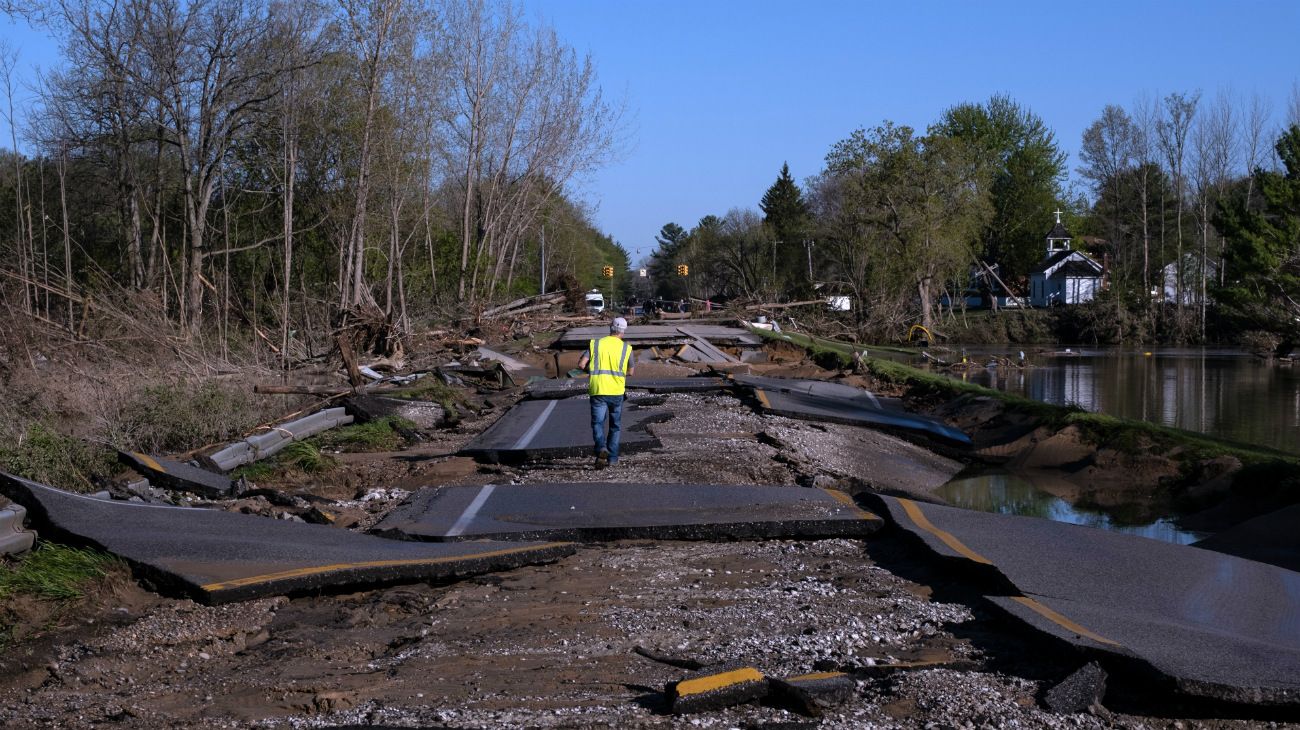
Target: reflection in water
{"x":1009,"y":494}
{"x":1226,"y":394}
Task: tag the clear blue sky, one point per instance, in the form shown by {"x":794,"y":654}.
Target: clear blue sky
{"x":721,"y":93}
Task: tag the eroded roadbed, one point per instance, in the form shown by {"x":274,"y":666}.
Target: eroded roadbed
{"x":217,"y":557}
{"x":1217,"y":626}
{"x":627,"y":511}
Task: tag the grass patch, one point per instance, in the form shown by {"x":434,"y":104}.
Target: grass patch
{"x":56,"y":572}
{"x":432,"y":390}
{"x":45,"y":455}
{"x":380,"y":434}
{"x":176,"y":418}
{"x":301,"y":456}
{"x":305,"y":457}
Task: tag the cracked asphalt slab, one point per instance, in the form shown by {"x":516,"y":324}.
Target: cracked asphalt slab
{"x":217,"y":557}
{"x":1218,"y":626}
{"x":615,"y":511}
{"x":536,"y":429}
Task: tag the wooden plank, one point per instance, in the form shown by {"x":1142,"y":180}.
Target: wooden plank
{"x":706,"y":347}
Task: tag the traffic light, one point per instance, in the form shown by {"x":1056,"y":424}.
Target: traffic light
{"x":683,"y":270}
{"x":608,"y":271}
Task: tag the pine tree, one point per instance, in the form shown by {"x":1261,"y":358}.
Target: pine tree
{"x":786,"y":215}
{"x":1263,"y":248}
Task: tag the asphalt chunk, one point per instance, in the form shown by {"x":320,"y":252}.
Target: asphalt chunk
{"x":716,"y":688}
{"x":218,"y":557}
{"x":178,"y":475}
{"x":811,"y":694}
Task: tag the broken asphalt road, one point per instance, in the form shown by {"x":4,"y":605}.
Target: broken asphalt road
{"x":535,"y":429}
{"x":1218,"y":626}
{"x":626,"y":511}
{"x":217,"y":557}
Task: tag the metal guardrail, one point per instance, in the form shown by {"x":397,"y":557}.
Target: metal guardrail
{"x":13,"y":538}
{"x":262,"y":445}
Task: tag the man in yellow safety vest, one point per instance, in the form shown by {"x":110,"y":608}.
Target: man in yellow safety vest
{"x":610,"y":360}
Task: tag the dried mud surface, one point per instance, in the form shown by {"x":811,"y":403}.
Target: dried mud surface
{"x":554,"y":646}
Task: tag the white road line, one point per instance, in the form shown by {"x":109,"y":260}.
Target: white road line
{"x":537,"y":426}
{"x":471,"y":511}
{"x":872,"y":397}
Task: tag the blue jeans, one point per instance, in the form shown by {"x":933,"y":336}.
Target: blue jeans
{"x":602,"y":405}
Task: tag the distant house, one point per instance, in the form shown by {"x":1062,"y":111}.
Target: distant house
{"x":1193,"y":266}
{"x":1064,"y":276}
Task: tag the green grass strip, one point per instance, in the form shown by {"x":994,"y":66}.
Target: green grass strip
{"x":56,"y":572}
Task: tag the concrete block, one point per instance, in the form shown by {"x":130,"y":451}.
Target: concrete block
{"x":716,"y":688}
{"x":13,"y":538}
{"x":1079,"y":691}
{"x":810,"y":694}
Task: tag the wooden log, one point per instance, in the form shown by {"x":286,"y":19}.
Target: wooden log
{"x":521,"y":310}
{"x":349,"y":356}
{"x":804,"y":303}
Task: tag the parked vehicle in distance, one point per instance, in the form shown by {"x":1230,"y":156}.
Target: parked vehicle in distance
{"x":595,"y":301}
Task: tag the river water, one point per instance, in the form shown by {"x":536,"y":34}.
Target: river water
{"x":1228,"y":394}
{"x":1013,"y":494}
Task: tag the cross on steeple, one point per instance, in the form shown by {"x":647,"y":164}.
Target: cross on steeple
{"x":1058,"y":216}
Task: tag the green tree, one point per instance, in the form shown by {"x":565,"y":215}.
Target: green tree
{"x":1262,"y":255}
{"x":786,"y":215}
{"x":915,"y":203}
{"x":1024,"y":169}
{"x":672,"y":241}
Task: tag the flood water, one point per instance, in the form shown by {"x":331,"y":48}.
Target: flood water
{"x":1010,"y":494}
{"x":1228,"y":394}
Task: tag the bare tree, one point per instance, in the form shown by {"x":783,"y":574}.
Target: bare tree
{"x":371,"y":25}
{"x":103,"y":98}
{"x":211,"y":74}
{"x":1213,"y":154}
{"x":8,"y":60}
{"x":1172,"y":130}
{"x":522,"y":117}
{"x":1107,"y":153}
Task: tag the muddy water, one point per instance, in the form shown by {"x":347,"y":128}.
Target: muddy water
{"x":1228,"y":394}
{"x":1011,"y":494}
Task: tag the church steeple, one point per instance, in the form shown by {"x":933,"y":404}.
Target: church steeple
{"x":1058,"y":239}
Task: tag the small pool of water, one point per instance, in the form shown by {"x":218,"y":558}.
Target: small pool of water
{"x":1010,"y":494}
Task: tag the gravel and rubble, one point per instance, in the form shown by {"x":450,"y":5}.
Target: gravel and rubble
{"x":554,"y":646}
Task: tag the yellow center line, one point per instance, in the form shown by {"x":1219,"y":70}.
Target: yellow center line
{"x":847,"y":500}
{"x":762,"y":398}
{"x":913,"y":511}
{"x":815,"y":676}
{"x":317,"y":569}
{"x":1060,"y":620}
{"x":718,"y":681}
{"x":148,"y":461}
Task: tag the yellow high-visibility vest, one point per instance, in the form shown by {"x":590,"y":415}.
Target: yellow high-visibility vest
{"x":610,"y":358}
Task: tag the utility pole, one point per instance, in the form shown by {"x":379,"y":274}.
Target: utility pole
{"x":807,"y":246}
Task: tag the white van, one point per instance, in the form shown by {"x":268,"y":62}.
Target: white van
{"x":595,"y":301}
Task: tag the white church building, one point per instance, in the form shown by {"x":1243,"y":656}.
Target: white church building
{"x":1065,"y":276}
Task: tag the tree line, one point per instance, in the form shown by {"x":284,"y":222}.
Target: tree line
{"x":1186,"y":207}
{"x":266,"y":165}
